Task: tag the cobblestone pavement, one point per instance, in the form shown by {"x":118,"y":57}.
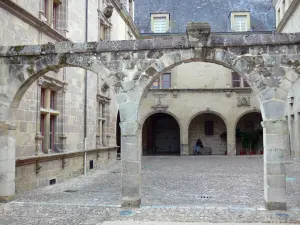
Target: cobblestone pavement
{"x":183,"y":189}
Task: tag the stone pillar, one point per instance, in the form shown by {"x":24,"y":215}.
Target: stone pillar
{"x":38,"y":136}
{"x":275,"y":150}
{"x":231,"y":143}
{"x":131,"y":164}
{"x":7,"y":162}
{"x":63,"y":136}
{"x":184,"y":142}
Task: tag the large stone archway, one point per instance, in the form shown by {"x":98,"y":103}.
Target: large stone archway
{"x":270,"y":64}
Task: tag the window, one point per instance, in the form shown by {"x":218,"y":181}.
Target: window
{"x":51,"y":11}
{"x":160,"y":23}
{"x":103,"y":121}
{"x":163,"y":82}
{"x":104,"y":32}
{"x":238,"y":81}
{"x":166,"y":81}
{"x":48,"y":119}
{"x":209,"y":128}
{"x":240,"y":21}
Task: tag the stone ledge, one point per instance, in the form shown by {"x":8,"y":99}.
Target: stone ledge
{"x":244,"y":90}
{"x":51,"y":157}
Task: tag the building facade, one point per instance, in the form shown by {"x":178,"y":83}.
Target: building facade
{"x":67,"y":120}
{"x":201,"y":100}
{"x":287,"y":21}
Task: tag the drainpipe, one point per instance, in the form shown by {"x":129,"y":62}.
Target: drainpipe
{"x":85,"y":88}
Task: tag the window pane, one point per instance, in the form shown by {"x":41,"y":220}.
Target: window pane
{"x":155,"y":84}
{"x":42,"y":97}
{"x":236,"y":83}
{"x":166,"y":84}
{"x":246,"y":84}
{"x":235,"y":76}
{"x":159,"y":24}
{"x":52,"y":100}
{"x":166,"y":77}
{"x":240,"y":23}
{"x":209,"y":128}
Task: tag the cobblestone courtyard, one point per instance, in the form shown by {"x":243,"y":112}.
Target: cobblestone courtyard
{"x":190,"y":189}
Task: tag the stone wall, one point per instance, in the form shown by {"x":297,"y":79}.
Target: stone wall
{"x":14,"y":31}
{"x":292,"y":112}
{"x":200,"y":75}
{"x":27,"y":177}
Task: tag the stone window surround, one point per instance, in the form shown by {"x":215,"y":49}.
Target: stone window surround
{"x":161,"y":14}
{"x":102,"y":121}
{"x":240,"y":13}
{"x":103,"y":21}
{"x":50,"y":84}
{"x":47,"y":13}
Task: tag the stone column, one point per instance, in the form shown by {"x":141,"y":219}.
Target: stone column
{"x":131,"y":164}
{"x":38,"y":136}
{"x":231,"y":143}
{"x":184,"y":142}
{"x":275,"y":150}
{"x":63,"y":136}
{"x":7,"y":162}
{"x":47,"y":121}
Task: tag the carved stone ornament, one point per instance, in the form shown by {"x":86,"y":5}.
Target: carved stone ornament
{"x":51,"y":83}
{"x":103,"y":99}
{"x":104,"y":87}
{"x":160,"y":107}
{"x":108,"y":11}
{"x":243,"y":101}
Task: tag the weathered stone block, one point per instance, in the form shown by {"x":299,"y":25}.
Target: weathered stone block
{"x":131,"y":168}
{"x":273,"y":109}
{"x":275,"y":168}
{"x":276,"y":181}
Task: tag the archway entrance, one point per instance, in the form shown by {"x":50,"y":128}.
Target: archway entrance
{"x":161,"y":135}
{"x":249,"y":134}
{"x":211,"y":129}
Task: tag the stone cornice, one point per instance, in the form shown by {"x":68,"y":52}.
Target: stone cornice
{"x":287,"y":15}
{"x":27,"y":17}
{"x":126,"y":17}
{"x":51,"y":157}
{"x":237,"y":90}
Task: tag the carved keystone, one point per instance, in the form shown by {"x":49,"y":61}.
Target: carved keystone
{"x":198,"y":33}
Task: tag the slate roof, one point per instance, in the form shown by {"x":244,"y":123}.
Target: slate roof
{"x":216,"y":12}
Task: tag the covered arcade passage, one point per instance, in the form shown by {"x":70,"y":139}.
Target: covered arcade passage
{"x":211,"y":129}
{"x":161,"y":135}
{"x":249,"y":134}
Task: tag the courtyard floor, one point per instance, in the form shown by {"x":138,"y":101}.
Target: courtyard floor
{"x":179,"y":189}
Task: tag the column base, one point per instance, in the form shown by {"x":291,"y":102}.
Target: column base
{"x":131,"y":203}
{"x":5,"y":199}
{"x":275,"y":205}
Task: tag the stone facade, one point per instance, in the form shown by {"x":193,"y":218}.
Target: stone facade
{"x":202,"y":88}
{"x":268,"y":62}
{"x":27,"y":22}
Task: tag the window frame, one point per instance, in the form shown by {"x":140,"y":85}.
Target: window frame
{"x":161,"y":82}
{"x":157,"y":15}
{"x":241,"y":13}
{"x":242,"y":82}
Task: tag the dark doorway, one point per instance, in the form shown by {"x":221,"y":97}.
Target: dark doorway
{"x":118,"y":136}
{"x":161,"y":135}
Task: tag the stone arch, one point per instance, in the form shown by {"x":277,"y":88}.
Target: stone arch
{"x":29,"y":73}
{"x":209,"y":142}
{"x":245,"y":113}
{"x":171,"y":129}
{"x":209,"y":112}
{"x":144,"y":118}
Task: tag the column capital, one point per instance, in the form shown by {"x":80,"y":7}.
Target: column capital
{"x":275,"y":126}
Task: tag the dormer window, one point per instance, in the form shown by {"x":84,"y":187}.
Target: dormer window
{"x":160,"y":22}
{"x":240,"y":21}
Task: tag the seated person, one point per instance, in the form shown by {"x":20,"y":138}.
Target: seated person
{"x":198,"y":146}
